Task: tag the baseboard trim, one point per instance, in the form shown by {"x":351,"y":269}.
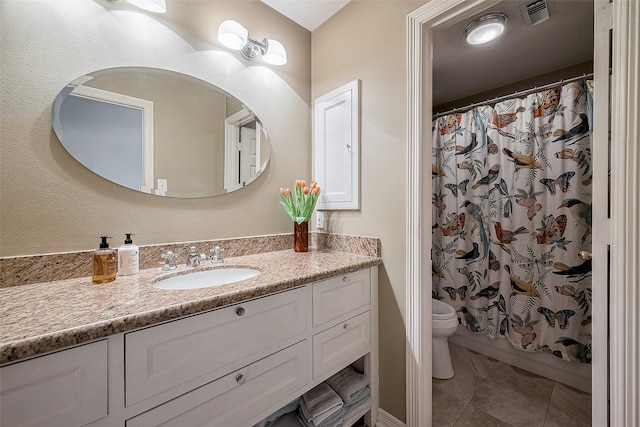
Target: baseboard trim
{"x":385,"y":419}
{"x":576,"y":375}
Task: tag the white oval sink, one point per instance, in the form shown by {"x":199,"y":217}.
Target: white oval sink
{"x":206,"y":279}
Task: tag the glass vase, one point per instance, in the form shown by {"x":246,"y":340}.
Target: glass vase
{"x":301,"y":237}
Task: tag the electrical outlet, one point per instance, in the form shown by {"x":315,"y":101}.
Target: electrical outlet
{"x":161,"y":189}
{"x":319,"y":220}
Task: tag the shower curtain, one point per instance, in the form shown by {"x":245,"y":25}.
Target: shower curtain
{"x":512,"y":211}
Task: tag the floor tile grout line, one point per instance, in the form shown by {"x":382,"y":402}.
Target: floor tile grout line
{"x":546,"y":415}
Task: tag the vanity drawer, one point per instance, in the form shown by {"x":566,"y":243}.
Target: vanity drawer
{"x":67,"y":388}
{"x":237,"y":398}
{"x":339,"y":346}
{"x":178,"y":356}
{"x":340,"y":295}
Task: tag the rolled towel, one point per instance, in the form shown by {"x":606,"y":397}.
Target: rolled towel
{"x":347,"y":383}
{"x":320,"y":403}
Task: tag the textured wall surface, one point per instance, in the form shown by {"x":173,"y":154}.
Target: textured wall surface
{"x":366,"y":40}
{"x":51,"y":203}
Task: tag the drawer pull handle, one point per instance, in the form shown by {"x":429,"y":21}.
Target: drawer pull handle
{"x":346,"y":326}
{"x":240,"y":379}
{"x":240,"y":311}
{"x":346,"y":279}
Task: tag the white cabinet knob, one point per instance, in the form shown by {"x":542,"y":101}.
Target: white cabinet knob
{"x":240,"y":311}
{"x":240,"y":379}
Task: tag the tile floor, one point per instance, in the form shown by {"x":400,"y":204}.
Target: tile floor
{"x":487,"y":393}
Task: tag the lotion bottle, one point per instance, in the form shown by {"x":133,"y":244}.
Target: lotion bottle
{"x":128,"y":257}
{"x":105,"y":264}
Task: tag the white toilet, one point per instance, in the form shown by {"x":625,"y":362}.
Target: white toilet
{"x":444,"y":323}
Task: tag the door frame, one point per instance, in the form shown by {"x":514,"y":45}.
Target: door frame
{"x":232,"y":125}
{"x":624,"y":302}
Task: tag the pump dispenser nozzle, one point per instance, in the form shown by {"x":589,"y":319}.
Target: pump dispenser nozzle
{"x":127,"y":239}
{"x":104,"y":244}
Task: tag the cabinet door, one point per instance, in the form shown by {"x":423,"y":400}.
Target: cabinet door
{"x":184,"y":354}
{"x":67,"y":388}
{"x":238,"y":398}
{"x":341,"y":345}
{"x":336,"y":148}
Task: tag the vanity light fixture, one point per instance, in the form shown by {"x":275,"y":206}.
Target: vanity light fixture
{"x":485,"y":28}
{"x":157,"y":6}
{"x":234,"y":36}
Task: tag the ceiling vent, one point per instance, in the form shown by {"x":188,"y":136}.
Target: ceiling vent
{"x":536,"y":12}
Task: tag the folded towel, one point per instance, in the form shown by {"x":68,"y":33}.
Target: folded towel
{"x":319,"y":418}
{"x":287,"y":420}
{"x":335,"y":420}
{"x":320,"y":403}
{"x":358,"y":398}
{"x":289,"y":407}
{"x":347,"y":383}
{"x":355,"y":407}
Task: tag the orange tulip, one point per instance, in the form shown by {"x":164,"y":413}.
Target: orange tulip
{"x":315,"y":191}
{"x":303,"y":183}
{"x":305,"y":190}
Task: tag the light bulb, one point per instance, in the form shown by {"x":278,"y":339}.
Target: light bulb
{"x":232,"y":35}
{"x":275,"y":53}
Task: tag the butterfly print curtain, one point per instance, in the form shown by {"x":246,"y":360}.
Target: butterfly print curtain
{"x":512,"y":210}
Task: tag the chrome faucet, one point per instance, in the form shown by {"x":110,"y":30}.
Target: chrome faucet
{"x":171,"y":264}
{"x":194,"y":259}
{"x":216,"y":258}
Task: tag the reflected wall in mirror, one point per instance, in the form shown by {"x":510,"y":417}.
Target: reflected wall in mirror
{"x":160,"y":132}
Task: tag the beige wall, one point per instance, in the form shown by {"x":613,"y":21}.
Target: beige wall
{"x":51,"y":203}
{"x":366,"y":40}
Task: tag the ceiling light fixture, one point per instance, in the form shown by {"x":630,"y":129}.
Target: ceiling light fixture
{"x":234,"y":36}
{"x":157,"y":6}
{"x":485,"y":28}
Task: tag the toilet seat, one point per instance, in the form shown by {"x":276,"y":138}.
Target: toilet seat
{"x":441,"y":310}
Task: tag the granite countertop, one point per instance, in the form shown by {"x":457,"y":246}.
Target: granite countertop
{"x":43,"y":317}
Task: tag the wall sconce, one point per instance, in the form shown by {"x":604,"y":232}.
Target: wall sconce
{"x":157,"y":6}
{"x":236,"y":37}
{"x":485,"y":28}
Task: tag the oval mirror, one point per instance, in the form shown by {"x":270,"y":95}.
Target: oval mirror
{"x":160,"y":132}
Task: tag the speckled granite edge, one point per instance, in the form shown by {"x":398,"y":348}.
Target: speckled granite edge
{"x":26,"y":270}
{"x":368,"y":246}
{"x":45,"y":317}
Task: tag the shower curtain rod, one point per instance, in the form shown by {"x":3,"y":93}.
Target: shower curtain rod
{"x":513,"y":95}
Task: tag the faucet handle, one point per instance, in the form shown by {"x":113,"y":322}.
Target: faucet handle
{"x":216,"y":258}
{"x":192,"y":250}
{"x":170,"y":257}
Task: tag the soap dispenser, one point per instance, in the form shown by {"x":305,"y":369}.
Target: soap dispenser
{"x":128,"y":257}
{"x":105,"y":263}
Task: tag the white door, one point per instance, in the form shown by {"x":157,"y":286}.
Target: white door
{"x":247,"y":155}
{"x":601,"y":237}
{"x":619,"y":349}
